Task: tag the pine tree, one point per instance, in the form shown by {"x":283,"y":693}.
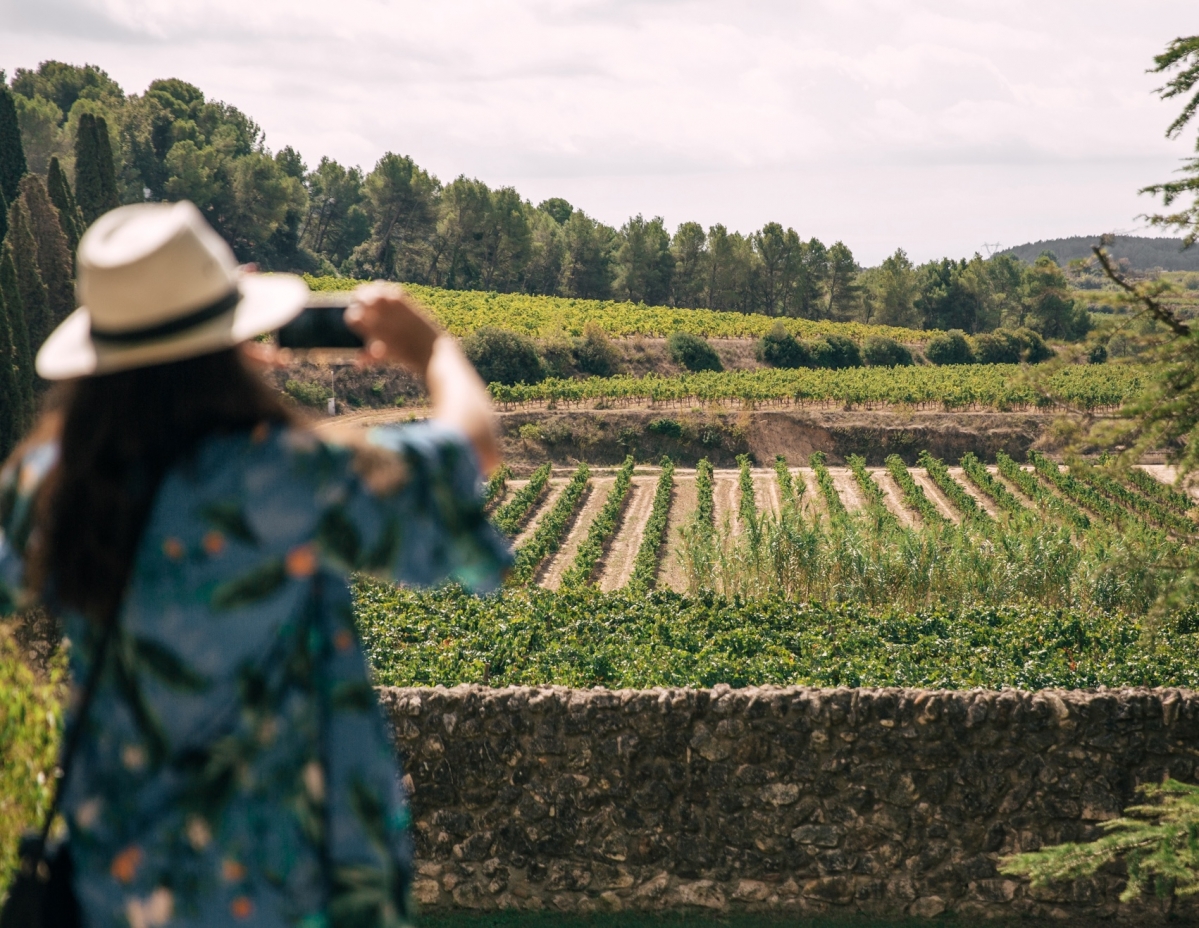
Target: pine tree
{"x":59,"y":189}
{"x":89,"y":193}
{"x":29,"y":277}
{"x":53,"y":256}
{"x":11,"y":289}
{"x":12,"y":153}
{"x":12,"y":411}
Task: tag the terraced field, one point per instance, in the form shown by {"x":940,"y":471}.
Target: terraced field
{"x":946,"y":498}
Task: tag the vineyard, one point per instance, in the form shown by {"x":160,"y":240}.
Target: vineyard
{"x":463,"y":311}
{"x":995,"y":386}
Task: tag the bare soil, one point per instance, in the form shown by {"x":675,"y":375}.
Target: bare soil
{"x":893,"y":497}
{"x":548,"y":498}
{"x":847,"y":488}
{"x":684,"y":499}
{"x":935,"y":496}
{"x":980,"y":497}
{"x":617,"y":567}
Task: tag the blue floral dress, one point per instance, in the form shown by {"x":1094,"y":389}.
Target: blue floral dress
{"x":235,"y":768}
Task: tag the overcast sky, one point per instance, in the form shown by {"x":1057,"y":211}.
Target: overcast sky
{"x":932,"y":125}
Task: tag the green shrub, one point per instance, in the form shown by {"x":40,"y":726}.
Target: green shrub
{"x":667,"y":428}
{"x":306,"y":392}
{"x":834,"y":352}
{"x":1035,"y":350}
{"x":30,"y":710}
{"x":1097,"y":354}
{"x":503,"y":357}
{"x":594,"y":353}
{"x":779,"y":348}
{"x":949,"y":348}
{"x":692,"y":352}
{"x":998,"y":347}
{"x":880,"y":351}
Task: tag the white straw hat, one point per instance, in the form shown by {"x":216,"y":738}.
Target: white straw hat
{"x":157,"y":284}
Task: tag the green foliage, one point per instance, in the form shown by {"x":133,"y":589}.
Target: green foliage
{"x":645,"y":565}
{"x":876,"y":503}
{"x":13,"y":414}
{"x":502,"y":356}
{"x":949,"y":348}
{"x":880,"y":351}
{"x":1051,"y":311}
{"x":786,"y":481}
{"x":995,"y":386}
{"x":583,"y":638}
{"x":692,"y":352}
{"x":601,"y":530}
{"x":977,"y":474}
{"x":514,"y":513}
{"x":594,"y":353}
{"x":30,"y":718}
{"x":550,"y":531}
{"x":705,"y":507}
{"x":1167,"y":496}
{"x":828,"y":489}
{"x":1183,"y":54}
{"x":63,"y":199}
{"x":834,"y":352}
{"x":667,"y":428}
{"x":12,"y":153}
{"x":1140,"y":506}
{"x":307,"y":392}
{"x":747,"y":503}
{"x":779,"y":348}
{"x":497,"y":485}
{"x":54,"y":261}
{"x":965,"y":504}
{"x":1157,"y":839}
{"x":1076,"y":490}
{"x":912,"y":492}
{"x":95,"y":174}
{"x":1027,"y":484}
{"x":10,"y":288}
{"x":32,"y":290}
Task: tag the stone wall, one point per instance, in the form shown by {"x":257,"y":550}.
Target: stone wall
{"x":879,"y":801}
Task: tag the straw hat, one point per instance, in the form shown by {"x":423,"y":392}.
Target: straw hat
{"x":157,"y":284}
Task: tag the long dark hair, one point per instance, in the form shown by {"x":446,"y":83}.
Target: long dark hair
{"x":119,"y":435}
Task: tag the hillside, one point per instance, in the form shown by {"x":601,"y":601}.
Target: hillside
{"x":1141,"y":252}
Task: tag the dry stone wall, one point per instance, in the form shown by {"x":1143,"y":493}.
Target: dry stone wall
{"x":876,"y":801}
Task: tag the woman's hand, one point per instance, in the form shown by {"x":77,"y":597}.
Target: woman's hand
{"x":393,"y":327}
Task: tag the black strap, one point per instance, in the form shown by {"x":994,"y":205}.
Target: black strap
{"x":73,"y":738}
{"x":130,"y":337}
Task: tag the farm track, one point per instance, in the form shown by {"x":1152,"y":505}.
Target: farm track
{"x":980,"y":497}
{"x":548,"y":497}
{"x":767,"y":492}
{"x":847,"y":488}
{"x":597,"y":494}
{"x":894,"y":499}
{"x":726,"y":495}
{"x":682,"y":504}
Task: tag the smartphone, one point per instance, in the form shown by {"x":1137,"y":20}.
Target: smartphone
{"x":321,"y":324}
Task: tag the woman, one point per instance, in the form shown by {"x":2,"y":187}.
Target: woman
{"x":234,"y":767}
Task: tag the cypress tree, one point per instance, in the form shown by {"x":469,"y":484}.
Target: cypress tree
{"x":12,"y":153}
{"x":29,"y":276}
{"x":10,"y":288}
{"x":89,"y":192}
{"x":109,"y":196}
{"x":12,"y":410}
{"x":59,"y":189}
{"x":53,"y":256}
{"x":3,"y":215}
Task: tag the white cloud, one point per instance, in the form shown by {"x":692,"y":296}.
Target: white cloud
{"x":931,"y":124}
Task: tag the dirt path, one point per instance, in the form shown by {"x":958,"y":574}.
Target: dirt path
{"x":1167,"y":474}
{"x":726,"y":495}
{"x":617,"y":566}
{"x":934,"y":494}
{"x":893,"y":497}
{"x":548,"y":498}
{"x":768,"y":492}
{"x":980,"y":497}
{"x":847,"y":488}
{"x":597,"y":495}
{"x":671,"y":575}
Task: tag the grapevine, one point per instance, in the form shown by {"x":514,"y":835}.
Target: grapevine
{"x":497,"y":485}
{"x":645,"y":567}
{"x":966,"y":504}
{"x":1038,"y":493}
{"x":876,"y":503}
{"x":513,"y":514}
{"x":550,"y":530}
{"x":1139,"y":505}
{"x":747,"y":508}
{"x":1076,"y":490}
{"x":600,"y":533}
{"x":824,"y":480}
{"x":1155,"y":489}
{"x":913,"y":495}
{"x":977,"y":474}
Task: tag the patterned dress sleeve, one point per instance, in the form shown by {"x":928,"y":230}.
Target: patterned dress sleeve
{"x":431,"y":527}
{"x":19,"y":482}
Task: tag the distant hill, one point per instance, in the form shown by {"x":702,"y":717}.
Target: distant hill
{"x":1142,"y":253}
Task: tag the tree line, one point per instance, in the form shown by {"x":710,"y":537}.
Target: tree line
{"x":399,"y":221}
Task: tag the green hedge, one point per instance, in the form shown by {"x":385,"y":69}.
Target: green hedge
{"x":30,"y":715}
{"x":585,"y":638}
